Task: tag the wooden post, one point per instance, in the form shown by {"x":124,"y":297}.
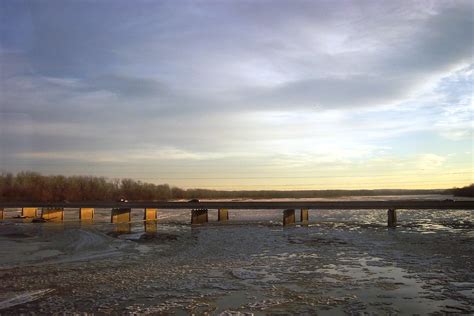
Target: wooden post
{"x":86,"y":214}
{"x":28,"y":211}
{"x":121,"y":217}
{"x":2,"y":216}
{"x":199,"y":216}
{"x":222,"y":215}
{"x":53,"y":214}
{"x":304,"y":216}
{"x":288,"y":217}
{"x":392,"y":218}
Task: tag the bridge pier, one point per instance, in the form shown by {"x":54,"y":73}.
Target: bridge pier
{"x":199,"y":216}
{"x":288,"y":217}
{"x":222,"y":215}
{"x":151,"y":223}
{"x":86,"y":214}
{"x":121,"y":217}
{"x":304,"y":215}
{"x":29,"y":212}
{"x":150,"y":214}
{"x":392,"y":218}
{"x":53,"y":214}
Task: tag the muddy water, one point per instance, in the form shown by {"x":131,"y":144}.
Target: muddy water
{"x":344,"y":262}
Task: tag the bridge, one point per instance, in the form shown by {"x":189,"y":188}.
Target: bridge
{"x":121,"y":211}
{"x":264,"y":205}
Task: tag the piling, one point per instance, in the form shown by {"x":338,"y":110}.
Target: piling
{"x":304,"y":216}
{"x":53,"y":214}
{"x":392,"y":218}
{"x":86,"y":214}
{"x":288,"y":217}
{"x":222,"y":215}
{"x":199,"y":216}
{"x":28,"y":211}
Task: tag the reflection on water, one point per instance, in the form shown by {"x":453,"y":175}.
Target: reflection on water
{"x":151,"y":227}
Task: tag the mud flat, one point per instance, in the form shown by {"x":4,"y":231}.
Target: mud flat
{"x":343,"y":263}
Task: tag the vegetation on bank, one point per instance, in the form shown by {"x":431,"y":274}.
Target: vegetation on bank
{"x":34,"y":187}
{"x":464,"y":191}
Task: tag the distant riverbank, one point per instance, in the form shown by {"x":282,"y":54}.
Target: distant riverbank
{"x":34,"y":187}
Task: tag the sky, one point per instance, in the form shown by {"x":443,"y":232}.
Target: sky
{"x":249,"y":95}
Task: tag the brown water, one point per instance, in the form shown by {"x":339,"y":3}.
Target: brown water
{"x":345,"y":262}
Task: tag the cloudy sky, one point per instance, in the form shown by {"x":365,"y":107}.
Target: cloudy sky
{"x":240,"y":94}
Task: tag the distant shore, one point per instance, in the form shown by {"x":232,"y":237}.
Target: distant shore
{"x":34,"y":187}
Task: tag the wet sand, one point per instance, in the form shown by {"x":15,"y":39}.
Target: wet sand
{"x":345,"y":262}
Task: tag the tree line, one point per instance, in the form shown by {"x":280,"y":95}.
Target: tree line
{"x":34,"y":187}
{"x":464,"y":191}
